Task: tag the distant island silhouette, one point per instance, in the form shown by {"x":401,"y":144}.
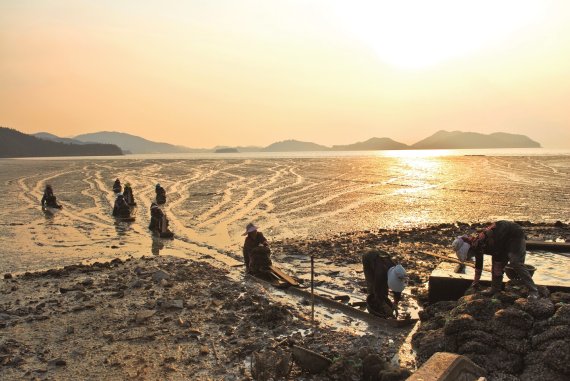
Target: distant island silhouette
{"x":17,"y":144}
{"x":134,"y":144}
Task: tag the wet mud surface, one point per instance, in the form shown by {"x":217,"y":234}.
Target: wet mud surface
{"x":333,"y":209}
{"x":164,"y":318}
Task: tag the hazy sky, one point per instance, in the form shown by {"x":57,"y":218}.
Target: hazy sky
{"x":252,"y":72}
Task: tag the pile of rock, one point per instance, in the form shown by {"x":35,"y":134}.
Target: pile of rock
{"x":508,"y":335}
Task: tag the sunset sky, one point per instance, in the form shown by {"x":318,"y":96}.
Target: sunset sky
{"x":252,"y":72}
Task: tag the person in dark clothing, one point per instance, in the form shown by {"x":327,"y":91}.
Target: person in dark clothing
{"x":381,"y":274}
{"x":159,"y":222}
{"x":117,"y":188}
{"x":155,"y":216}
{"x":256,"y":251}
{"x":49,"y":199}
{"x":506,"y":243}
{"x":121,"y":208}
{"x":128,"y":194}
{"x":160,"y":194}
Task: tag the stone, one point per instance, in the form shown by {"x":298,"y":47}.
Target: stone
{"x":172,"y":304}
{"x":461,"y":323}
{"x":559,"y":296}
{"x":514,"y":317}
{"x":141,"y":316}
{"x":159,"y":275}
{"x":371,"y":366}
{"x":552,"y":333}
{"x":444,"y":366}
{"x":87,"y":282}
{"x":561,"y":316}
{"x":557,"y":356}
{"x":57,"y":362}
{"x":540,"y":309}
{"x":204,"y":350}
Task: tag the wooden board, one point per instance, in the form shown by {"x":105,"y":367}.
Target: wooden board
{"x":563,"y":247}
{"x":283,"y":276}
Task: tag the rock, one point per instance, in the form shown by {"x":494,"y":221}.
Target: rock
{"x":57,"y":362}
{"x":541,"y":372}
{"x":539,"y":309}
{"x":371,"y":366}
{"x":553,"y":333}
{"x":172,"y":304}
{"x":514,"y":317}
{"x":559,"y":296}
{"x":87,"y":282}
{"x":144,"y":315}
{"x":137,"y":283}
{"x":561,"y":316}
{"x":557,"y":356}
{"x":429,"y":342}
{"x":482,"y":308}
{"x":204,"y":350}
{"x":159,"y":275}
{"x":461,"y":323}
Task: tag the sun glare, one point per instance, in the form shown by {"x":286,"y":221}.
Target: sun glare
{"x":419,"y":33}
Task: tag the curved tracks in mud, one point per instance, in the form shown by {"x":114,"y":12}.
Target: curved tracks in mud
{"x":210,"y":201}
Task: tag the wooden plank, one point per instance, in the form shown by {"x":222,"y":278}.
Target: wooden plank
{"x":563,"y":247}
{"x":283,"y":276}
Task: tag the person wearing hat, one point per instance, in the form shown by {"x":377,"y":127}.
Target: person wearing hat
{"x":160,"y":194}
{"x":256,"y":250}
{"x":128,"y":194}
{"x":117,"y":188}
{"x":506,"y":243}
{"x":49,"y":199}
{"x":383,"y":274}
{"x":121,"y":208}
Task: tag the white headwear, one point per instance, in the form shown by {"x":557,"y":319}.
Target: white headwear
{"x":396,"y":278}
{"x":461,"y":248}
{"x":250,"y":228}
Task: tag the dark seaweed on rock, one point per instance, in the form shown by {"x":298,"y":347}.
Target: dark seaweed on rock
{"x":511,"y":337}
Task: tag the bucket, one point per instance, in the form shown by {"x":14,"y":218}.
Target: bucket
{"x":512,"y":274}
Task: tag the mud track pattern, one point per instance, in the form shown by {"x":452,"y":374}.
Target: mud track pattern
{"x":210,"y":201}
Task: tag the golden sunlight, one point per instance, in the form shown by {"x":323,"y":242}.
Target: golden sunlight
{"x":412,"y":34}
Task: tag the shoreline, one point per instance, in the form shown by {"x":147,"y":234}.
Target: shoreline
{"x":191,"y":317}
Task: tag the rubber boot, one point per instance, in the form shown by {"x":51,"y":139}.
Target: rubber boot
{"x":496,"y":286}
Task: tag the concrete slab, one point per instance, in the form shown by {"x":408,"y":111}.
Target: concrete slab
{"x":443,"y":366}
{"x":445,"y":284}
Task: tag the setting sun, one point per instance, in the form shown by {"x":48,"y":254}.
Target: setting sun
{"x":417,"y":34}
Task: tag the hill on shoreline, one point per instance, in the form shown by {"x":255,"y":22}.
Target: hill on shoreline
{"x":14,"y":143}
{"x":439,"y":140}
{"x":467,"y":140}
{"x":134,"y":144}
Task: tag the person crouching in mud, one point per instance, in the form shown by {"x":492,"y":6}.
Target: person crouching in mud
{"x":381,"y":274}
{"x":49,"y":199}
{"x":159,"y":222}
{"x":256,"y":251}
{"x":506,"y":243}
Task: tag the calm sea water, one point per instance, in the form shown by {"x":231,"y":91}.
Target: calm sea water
{"x":211,"y":197}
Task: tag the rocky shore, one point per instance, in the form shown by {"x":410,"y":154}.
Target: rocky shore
{"x":170,"y":318}
{"x":162,"y":318}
